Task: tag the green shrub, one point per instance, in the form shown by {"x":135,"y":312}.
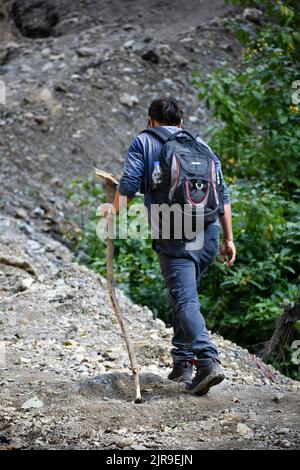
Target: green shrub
{"x":256,"y":131}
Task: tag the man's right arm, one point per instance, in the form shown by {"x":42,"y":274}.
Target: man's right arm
{"x":133,"y":175}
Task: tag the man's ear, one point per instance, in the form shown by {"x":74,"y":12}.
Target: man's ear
{"x":150,"y":122}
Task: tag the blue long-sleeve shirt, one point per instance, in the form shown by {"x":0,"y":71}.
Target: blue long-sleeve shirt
{"x":143,"y":152}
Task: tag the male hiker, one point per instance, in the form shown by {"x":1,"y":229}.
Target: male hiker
{"x":182,"y":267}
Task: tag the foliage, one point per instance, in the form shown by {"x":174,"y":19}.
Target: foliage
{"x":245,"y":302}
{"x":257,"y":133}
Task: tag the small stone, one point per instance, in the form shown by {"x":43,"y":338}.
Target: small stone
{"x":138,"y":447}
{"x":22,"y":214}
{"x":45,"y":52}
{"x":86,"y":52}
{"x":34,"y":402}
{"x":278,"y":398}
{"x":25,"y":360}
{"x":60,"y":87}
{"x":128,"y":100}
{"x":248,"y":379}
{"x":129,"y":44}
{"x":226,"y":47}
{"x":283,"y":431}
{"x":29,"y":115}
{"x":186,"y":40}
{"x":38,"y":212}
{"x":181,"y":60}
{"x":26,"y":284}
{"x":286,"y":443}
{"x":48,"y":66}
{"x":128,"y":27}
{"x":159,"y":324}
{"x":4,"y":439}
{"x":26,"y":68}
{"x":57,"y":56}
{"x":45,"y":95}
{"x":124,"y":443}
{"x":234,"y":366}
{"x":244,"y":430}
{"x":252,"y":14}
{"x":41,"y":119}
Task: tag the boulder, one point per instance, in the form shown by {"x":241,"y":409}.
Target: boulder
{"x":35,"y":18}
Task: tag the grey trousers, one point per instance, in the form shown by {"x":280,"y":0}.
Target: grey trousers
{"x":182,"y":273}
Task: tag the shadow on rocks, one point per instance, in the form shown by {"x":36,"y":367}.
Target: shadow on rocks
{"x":119,"y":385}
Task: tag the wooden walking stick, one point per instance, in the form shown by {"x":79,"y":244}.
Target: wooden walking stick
{"x":111,"y":184}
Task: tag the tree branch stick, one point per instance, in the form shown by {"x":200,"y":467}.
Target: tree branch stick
{"x":110,"y":183}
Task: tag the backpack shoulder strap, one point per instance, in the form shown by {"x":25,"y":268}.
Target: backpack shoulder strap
{"x":161,"y":133}
{"x":191,"y":134}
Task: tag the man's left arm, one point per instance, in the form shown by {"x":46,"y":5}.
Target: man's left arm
{"x":227,"y":248}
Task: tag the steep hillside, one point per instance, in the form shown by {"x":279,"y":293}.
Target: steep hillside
{"x":78,"y":97}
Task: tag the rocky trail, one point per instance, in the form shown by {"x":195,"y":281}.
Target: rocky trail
{"x":77,"y":90}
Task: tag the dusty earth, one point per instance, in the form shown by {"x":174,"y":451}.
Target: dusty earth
{"x":77,"y":90}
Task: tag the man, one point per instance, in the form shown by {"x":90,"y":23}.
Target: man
{"x":182,"y":268}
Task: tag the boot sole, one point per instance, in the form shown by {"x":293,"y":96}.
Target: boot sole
{"x":210,"y":381}
{"x":181,"y":380}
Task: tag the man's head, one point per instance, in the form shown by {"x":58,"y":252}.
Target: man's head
{"x":165,"y":111}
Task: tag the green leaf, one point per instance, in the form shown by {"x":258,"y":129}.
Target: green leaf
{"x":283,"y":119}
{"x":243,"y":36}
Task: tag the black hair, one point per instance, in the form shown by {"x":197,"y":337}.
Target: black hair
{"x":166,"y":110}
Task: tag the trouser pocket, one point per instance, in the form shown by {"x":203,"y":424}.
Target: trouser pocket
{"x":210,"y":248}
{"x":172,"y":283}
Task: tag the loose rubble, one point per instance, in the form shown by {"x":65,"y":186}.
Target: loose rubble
{"x":66,"y":381}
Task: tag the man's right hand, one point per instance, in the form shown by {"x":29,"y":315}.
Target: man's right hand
{"x":107,"y":211}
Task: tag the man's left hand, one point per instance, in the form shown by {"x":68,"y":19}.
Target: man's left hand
{"x":228,"y":251}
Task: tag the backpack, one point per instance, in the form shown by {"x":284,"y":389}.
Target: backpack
{"x":189,"y":177}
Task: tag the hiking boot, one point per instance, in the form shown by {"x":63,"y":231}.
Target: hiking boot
{"x":208,"y":374}
{"x":182,"y":372}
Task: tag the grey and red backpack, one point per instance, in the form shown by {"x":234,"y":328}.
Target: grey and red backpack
{"x":189,"y":176}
